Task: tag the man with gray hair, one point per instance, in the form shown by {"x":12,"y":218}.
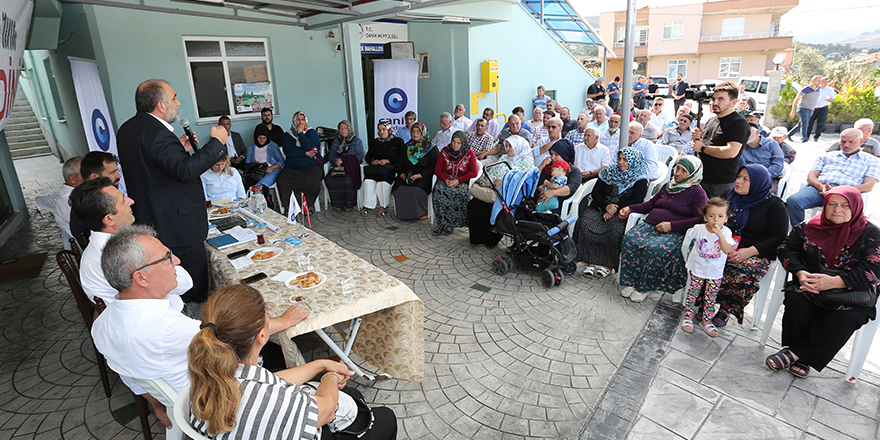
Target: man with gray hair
{"x":72,"y":178}
{"x":869,"y":144}
{"x":611,"y":137}
{"x":479,"y":141}
{"x":459,"y":120}
{"x":649,"y":131}
{"x":514,"y":127}
{"x":597,"y":89}
{"x":444,"y":136}
{"x":142,"y":334}
{"x":590,"y":156}
{"x":554,"y":132}
{"x":577,"y":136}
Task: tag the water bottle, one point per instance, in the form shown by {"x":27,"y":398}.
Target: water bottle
{"x":256,"y":202}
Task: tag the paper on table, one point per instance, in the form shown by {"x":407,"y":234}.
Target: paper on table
{"x":238,"y":263}
{"x":259,"y":219}
{"x":242,"y":235}
{"x":224,"y":203}
{"x":283,"y":276}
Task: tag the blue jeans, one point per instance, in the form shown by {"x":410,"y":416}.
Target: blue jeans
{"x":804,"y":115}
{"x":806,"y":198}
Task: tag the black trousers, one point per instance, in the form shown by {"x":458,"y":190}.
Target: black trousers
{"x":384,"y":423}
{"x":300,"y":182}
{"x":614,"y":103}
{"x":479,"y":228}
{"x":679,"y":103}
{"x":195,"y":260}
{"x":816,"y":334}
{"x":820,"y":114}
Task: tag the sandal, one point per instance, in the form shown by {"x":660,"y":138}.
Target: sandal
{"x":802,"y":366}
{"x":589,"y":271}
{"x":602,"y":272}
{"x":687,"y":325}
{"x":782,"y":359}
{"x":709,"y":328}
{"x":720,"y":319}
{"x":365,"y":211}
{"x":337,"y":209}
{"x":348,"y":209}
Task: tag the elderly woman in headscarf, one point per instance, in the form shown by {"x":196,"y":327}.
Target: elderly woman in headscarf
{"x":415,"y":173}
{"x":651,"y":252}
{"x":835,"y":260}
{"x":479,"y":209}
{"x":758,"y":218}
{"x":304,"y":166}
{"x":561,"y":150}
{"x":382,"y":159}
{"x":599,"y":230}
{"x":344,"y":177}
{"x":456,"y":166}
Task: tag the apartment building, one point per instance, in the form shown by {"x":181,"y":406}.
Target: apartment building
{"x":713,"y":40}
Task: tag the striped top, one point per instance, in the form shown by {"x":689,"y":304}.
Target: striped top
{"x":270,"y":408}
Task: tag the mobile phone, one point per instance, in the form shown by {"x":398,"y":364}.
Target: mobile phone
{"x":253,"y":278}
{"x":238,"y":254}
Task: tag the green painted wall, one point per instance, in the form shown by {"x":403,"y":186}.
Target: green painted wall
{"x":447,"y":47}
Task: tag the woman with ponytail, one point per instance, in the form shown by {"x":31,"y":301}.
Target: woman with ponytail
{"x":232,"y":397}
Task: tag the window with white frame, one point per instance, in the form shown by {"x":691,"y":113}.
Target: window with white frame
{"x":229,"y":76}
{"x":673,"y":30}
{"x":729,"y":67}
{"x":676,"y":67}
{"x":733,"y":27}
{"x":641,"y":35}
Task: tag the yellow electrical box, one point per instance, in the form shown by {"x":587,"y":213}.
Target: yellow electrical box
{"x":489,"y":76}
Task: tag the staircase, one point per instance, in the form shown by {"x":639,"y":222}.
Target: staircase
{"x":23,"y":132}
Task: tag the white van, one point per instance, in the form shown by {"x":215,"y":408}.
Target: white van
{"x":756,"y":91}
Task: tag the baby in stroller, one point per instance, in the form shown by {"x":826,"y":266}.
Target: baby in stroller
{"x":558,"y":178}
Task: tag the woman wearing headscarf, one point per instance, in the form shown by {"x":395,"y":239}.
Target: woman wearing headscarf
{"x":758,"y":218}
{"x":651,"y":252}
{"x":415,"y":173}
{"x":456,"y":166}
{"x":835,"y":262}
{"x":561,"y":150}
{"x":344,"y":177}
{"x":263,"y":153}
{"x":382,"y":159}
{"x":519,"y":157}
{"x":304,"y":166}
{"x":599,"y":230}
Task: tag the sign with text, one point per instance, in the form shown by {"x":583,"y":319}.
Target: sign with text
{"x":15,"y":20}
{"x":396,"y":90}
{"x":252,"y":97}
{"x":376,"y":33}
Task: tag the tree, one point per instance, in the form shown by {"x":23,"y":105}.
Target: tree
{"x":807,"y":63}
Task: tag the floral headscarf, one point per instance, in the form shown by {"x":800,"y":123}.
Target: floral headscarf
{"x":416,"y":150}
{"x":292,"y":131}
{"x":387,"y":127}
{"x":694,"y":167}
{"x":344,"y":142}
{"x":624,"y":179}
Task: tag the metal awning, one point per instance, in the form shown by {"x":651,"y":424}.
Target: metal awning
{"x":564,"y":23}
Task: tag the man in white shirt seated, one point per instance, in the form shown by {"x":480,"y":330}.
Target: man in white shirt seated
{"x":599,"y":119}
{"x":591,"y":157}
{"x":459,"y":120}
{"x":647,"y":148}
{"x":659,"y":118}
{"x":444,"y":136}
{"x":72,"y":178}
{"x":537,"y":119}
{"x":142,"y":334}
{"x":104,"y":209}
{"x":611,"y":138}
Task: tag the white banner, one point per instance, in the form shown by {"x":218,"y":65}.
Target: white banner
{"x":93,"y":108}
{"x":396,"y":90}
{"x":15,"y":21}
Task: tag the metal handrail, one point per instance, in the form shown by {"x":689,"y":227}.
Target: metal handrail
{"x":749,"y":36}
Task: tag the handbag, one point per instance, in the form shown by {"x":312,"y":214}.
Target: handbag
{"x":844,"y":296}
{"x":352,"y":417}
{"x":482,"y":190}
{"x":254,"y":171}
{"x":379,"y":173}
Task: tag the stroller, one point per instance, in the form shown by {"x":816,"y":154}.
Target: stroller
{"x":540,"y":240}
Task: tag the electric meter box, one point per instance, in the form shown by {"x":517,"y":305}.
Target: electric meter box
{"x":489,"y":76}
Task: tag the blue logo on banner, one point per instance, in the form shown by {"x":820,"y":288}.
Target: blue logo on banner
{"x":395,"y":100}
{"x":100,"y":128}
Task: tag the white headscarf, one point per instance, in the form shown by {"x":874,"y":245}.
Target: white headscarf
{"x":521,"y":149}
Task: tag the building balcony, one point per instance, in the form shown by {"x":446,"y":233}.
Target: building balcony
{"x":766,"y":41}
{"x":640,"y":49}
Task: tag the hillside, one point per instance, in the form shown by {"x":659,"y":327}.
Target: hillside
{"x":864,"y":40}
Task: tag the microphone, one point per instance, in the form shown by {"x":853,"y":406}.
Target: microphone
{"x":189,"y":133}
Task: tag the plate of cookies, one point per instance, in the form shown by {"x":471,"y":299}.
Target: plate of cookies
{"x":219,"y":212}
{"x":265,"y":254}
{"x":306,"y":280}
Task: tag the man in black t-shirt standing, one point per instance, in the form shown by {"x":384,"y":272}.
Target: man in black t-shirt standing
{"x":719,"y":144}
{"x":596,"y":91}
{"x":678,"y":91}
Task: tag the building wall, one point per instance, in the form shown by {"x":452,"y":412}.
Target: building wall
{"x":689,"y":14}
{"x":448,"y":58}
{"x":659,"y":65}
{"x":712,"y":24}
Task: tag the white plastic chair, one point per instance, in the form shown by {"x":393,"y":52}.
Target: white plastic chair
{"x":162,"y":392}
{"x":655,"y":185}
{"x":571,"y":205}
{"x":431,"y":200}
{"x":631,"y":222}
{"x":678,"y":296}
{"x":666,"y":154}
{"x":181,"y":413}
{"x":775,"y":276}
{"x":784,"y":182}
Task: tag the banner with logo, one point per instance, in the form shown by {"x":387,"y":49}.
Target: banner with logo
{"x":93,"y":108}
{"x":15,"y":21}
{"x":396,"y":90}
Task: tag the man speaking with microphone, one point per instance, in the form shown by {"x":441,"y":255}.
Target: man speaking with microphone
{"x":162,"y":176}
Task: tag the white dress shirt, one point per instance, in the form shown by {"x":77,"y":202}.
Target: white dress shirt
{"x":443,"y":137}
{"x":146,"y":339}
{"x":230,"y":147}
{"x":62,"y":208}
{"x":94,"y":284}
{"x":591,"y":159}
{"x":462,"y":123}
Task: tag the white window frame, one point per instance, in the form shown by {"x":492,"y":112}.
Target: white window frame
{"x":641,"y":35}
{"x":729,"y":61}
{"x":223,"y":58}
{"x":733,"y":27}
{"x":672,"y":27}
{"x":679,"y":65}
{"x":621,"y":34}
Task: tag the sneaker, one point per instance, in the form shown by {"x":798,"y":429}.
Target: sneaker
{"x":627,"y":291}
{"x":638,"y":297}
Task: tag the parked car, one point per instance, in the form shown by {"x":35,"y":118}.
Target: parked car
{"x":756,"y":91}
{"x":662,"y":85}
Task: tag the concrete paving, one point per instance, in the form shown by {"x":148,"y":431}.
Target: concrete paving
{"x":505,"y":358}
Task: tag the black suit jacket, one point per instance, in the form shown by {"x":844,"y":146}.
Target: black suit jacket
{"x":163,"y":179}
{"x":240,"y":147}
